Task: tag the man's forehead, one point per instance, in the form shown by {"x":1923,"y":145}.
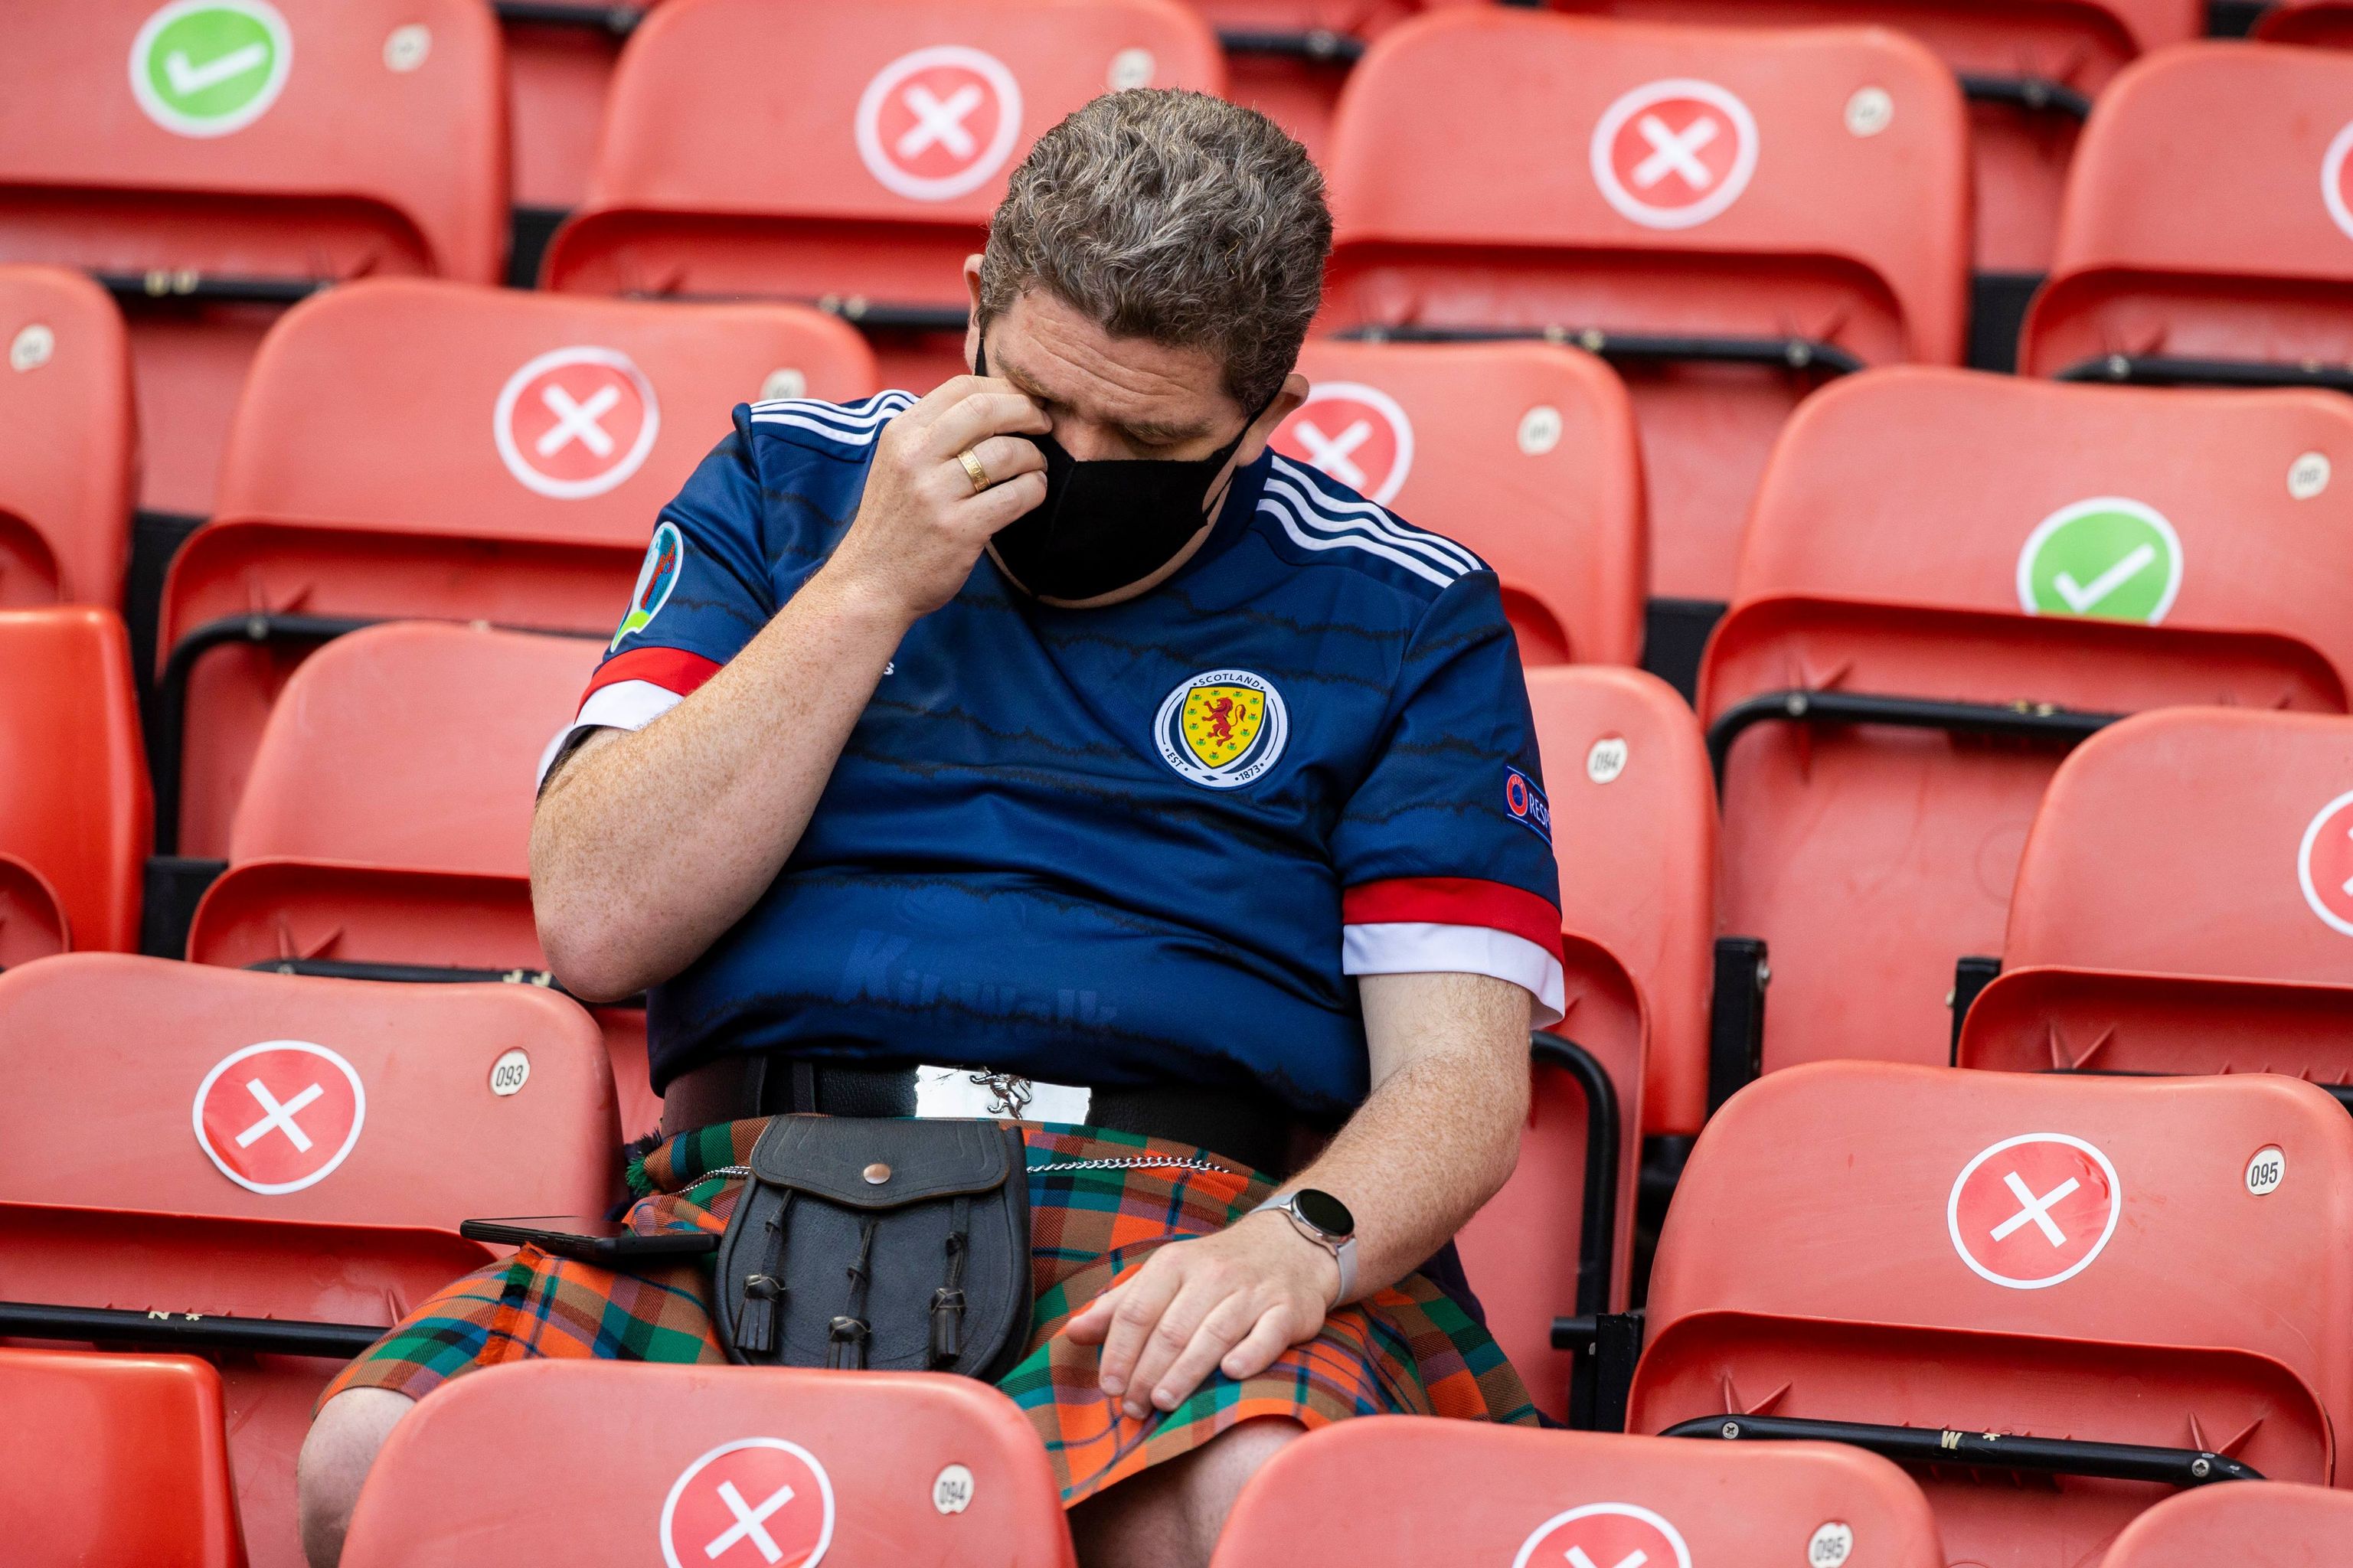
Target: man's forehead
{"x":1055,"y":351}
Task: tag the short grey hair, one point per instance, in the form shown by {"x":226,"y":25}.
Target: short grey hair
{"x":1174,"y":217}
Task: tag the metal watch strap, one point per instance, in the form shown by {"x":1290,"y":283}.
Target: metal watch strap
{"x":1344,"y":1252}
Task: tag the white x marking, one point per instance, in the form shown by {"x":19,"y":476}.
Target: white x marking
{"x":1331,"y":452}
{"x":750,"y":1523}
{"x":577,"y":421}
{"x":2037,"y":1210}
{"x":939,"y":123}
{"x":1634,"y":1558}
{"x":1672,"y":151}
{"x":277,"y":1117}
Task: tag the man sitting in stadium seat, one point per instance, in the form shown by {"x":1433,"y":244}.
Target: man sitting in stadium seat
{"x":1050,"y":725}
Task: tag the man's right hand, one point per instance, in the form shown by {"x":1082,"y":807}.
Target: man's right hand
{"x":920,"y":525}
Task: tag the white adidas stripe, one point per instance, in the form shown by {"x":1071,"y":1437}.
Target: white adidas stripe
{"x":854,"y":421}
{"x":1306,"y":512}
{"x":864,"y":408}
{"x":1346,"y":513}
{"x":1336,"y":540}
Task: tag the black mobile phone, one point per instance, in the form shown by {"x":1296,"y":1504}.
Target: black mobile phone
{"x":589,"y":1240}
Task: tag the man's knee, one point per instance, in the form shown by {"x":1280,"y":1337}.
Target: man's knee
{"x":1234,"y":1455}
{"x":341,"y":1444}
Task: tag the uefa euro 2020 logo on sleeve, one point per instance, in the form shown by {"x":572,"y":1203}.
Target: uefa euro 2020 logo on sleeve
{"x":665,"y":559}
{"x":1222,"y":729}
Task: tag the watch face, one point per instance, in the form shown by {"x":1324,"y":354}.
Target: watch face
{"x":1325,"y":1212}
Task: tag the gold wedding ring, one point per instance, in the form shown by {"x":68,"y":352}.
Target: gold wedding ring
{"x":974,"y":471}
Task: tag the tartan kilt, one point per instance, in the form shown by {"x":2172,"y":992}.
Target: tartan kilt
{"x":1406,"y":1349}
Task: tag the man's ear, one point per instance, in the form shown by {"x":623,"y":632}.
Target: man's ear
{"x":972,"y":326}
{"x":1263,"y":429}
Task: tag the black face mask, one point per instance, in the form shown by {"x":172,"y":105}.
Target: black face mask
{"x":1106,"y":525}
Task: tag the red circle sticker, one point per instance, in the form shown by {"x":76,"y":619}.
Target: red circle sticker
{"x":279,"y":1116}
{"x":2034,"y":1210}
{"x":757,"y":1503}
{"x":2333,"y":180}
{"x":1673,"y":153}
{"x":2324,"y":864}
{"x":938,"y":123}
{"x":576,"y":422}
{"x":1355,"y":433}
{"x":1604,"y":1535}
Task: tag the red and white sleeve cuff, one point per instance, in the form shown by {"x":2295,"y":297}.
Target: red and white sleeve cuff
{"x":1457,"y":925}
{"x":630,"y":693}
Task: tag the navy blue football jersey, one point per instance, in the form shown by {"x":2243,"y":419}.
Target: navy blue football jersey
{"x":1145,"y":844}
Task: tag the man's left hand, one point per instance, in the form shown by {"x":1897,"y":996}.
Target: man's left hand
{"x":1232,"y":1301}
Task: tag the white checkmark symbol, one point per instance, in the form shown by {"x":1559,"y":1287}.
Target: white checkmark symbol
{"x":189,"y":80}
{"x":2080,"y":598}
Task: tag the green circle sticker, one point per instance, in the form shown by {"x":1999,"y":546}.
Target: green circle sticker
{"x":205,"y":68}
{"x":2108,"y":558}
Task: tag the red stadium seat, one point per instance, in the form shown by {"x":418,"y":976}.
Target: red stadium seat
{"x":559,"y":61}
{"x":69,"y":445}
{"x":2208,"y":234}
{"x":1397,"y":1489}
{"x":2004,"y":1275}
{"x":386,"y":824}
{"x":2030,"y":68}
{"x":1289,"y":58}
{"x":848,"y":155}
{"x":514,"y":450}
{"x":2274,"y":1526}
{"x":250,"y":153}
{"x":115,"y":1459}
{"x":2325,"y":23}
{"x":74,"y":811}
{"x":2038,"y":555}
{"x":1758,"y":243}
{"x":2230,"y":951}
{"x":1525,"y":452}
{"x":725,"y":1467}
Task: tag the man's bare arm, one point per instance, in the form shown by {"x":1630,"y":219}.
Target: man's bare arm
{"x":1436,"y":1138}
{"x":646,"y":847}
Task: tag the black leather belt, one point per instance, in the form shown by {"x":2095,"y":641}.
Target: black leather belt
{"x":1246,"y":1127}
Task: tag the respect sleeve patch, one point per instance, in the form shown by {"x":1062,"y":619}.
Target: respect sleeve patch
{"x":1526,"y":803}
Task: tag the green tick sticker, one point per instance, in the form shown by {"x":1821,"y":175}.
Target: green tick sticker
{"x":2108,"y":558}
{"x":205,"y":68}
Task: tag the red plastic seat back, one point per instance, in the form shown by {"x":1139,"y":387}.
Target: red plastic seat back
{"x":2207,"y":215}
{"x":68,"y":442}
{"x":515,"y":446}
{"x":1999,"y":1252}
{"x":902,"y":118}
{"x":725,"y":1466}
{"x":2173,"y":550}
{"x":126,"y":1461}
{"x":559,"y":68}
{"x":271,"y":150}
{"x":2019,"y":154}
{"x":1270,"y":63}
{"x":1662,"y":181}
{"x":1525,"y":452}
{"x":2275,"y":1525}
{"x":219,"y":1091}
{"x":74,"y":809}
{"x":2324,"y":23}
{"x":1461,"y":1491}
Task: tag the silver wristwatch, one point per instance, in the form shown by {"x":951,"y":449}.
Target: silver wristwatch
{"x":1326,"y":1221}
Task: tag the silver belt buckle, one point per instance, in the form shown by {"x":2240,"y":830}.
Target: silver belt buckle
{"x":970,"y":1093}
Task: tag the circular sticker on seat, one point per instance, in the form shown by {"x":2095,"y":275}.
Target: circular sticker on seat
{"x":1673,"y":153}
{"x":2034,"y":1210}
{"x":1604,"y":1535}
{"x":2324,"y":864}
{"x":757,"y":1503}
{"x":205,"y":68}
{"x":1355,"y":433}
{"x":2106,"y":558}
{"x":576,"y":422}
{"x":938,"y":123}
{"x":279,"y":1116}
{"x":2332,"y":179}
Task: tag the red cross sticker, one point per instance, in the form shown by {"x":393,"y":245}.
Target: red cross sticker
{"x":280,"y":1115}
{"x":757,"y":1503}
{"x":1671,"y":154}
{"x":937,"y":124}
{"x":2034,"y":1210}
{"x":2324,"y":865}
{"x":1604,"y":1535}
{"x":1355,"y":433}
{"x":576,"y":422}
